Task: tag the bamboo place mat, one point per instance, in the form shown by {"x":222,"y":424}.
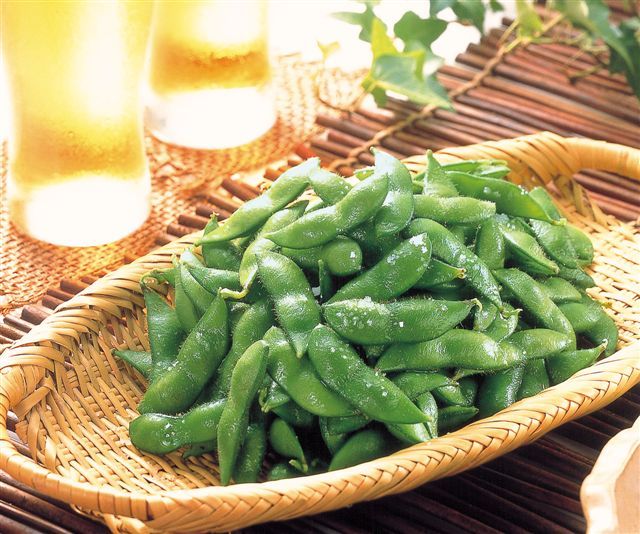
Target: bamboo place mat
{"x":496,"y":95}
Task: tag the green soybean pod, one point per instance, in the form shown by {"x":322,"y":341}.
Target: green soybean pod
{"x":198,"y":449}
{"x":453,"y":210}
{"x":429,"y":407}
{"x":140,"y":360}
{"x":199,"y":356}
{"x":272,"y":396}
{"x":362,"y":447}
{"x":295,"y":415}
{"x":582,"y":315}
{"x":296,"y":307}
{"x":451,"y":250}
{"x":330,"y":187}
{"x":160,"y":434}
{"x":455,"y":395}
{"x":437,"y":273}
{"x":285,"y":442}
{"x":199,"y":296}
{"x":397,"y":209}
{"x":504,"y":324}
{"x":581,"y":244}
{"x":604,"y":331}
{"x":234,"y":421}
{"x":223,"y":255}
{"x":414,"y":383}
{"x":366,"y":322}
{"x":249,"y":263}
{"x":485,"y":314}
{"x":393,"y":275}
{"x":373,"y":246}
{"x":509,"y":198}
{"x":535,"y":379}
{"x":499,"y":390}
{"x":342,"y":256}
{"x":555,"y":241}
{"x":490,"y":246}
{"x":210,"y":279}
{"x":342,"y":369}
{"x":326,"y":283}
{"x":299,"y":379}
{"x":409,"y":433}
{"x":253,"y":450}
{"x":453,"y":417}
{"x":436,"y":182}
{"x":185,"y":309}
{"x":566,"y":364}
{"x":332,"y":441}
{"x":540,"y":342}
{"x":559,"y":290}
{"x":253,"y":213}
{"x":321,"y":226}
{"x":456,"y":348}
{"x":337,"y":426}
{"x":283,"y":470}
{"x":527,"y":254}
{"x":576,"y":276}
{"x":535,"y":301}
{"x":545,"y":200}
{"x":164,"y":328}
{"x":250,"y":328}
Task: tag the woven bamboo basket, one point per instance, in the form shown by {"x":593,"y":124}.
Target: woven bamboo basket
{"x":74,"y":401}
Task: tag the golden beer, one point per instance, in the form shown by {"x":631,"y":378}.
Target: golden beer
{"x":209,"y":75}
{"x":77,"y":167}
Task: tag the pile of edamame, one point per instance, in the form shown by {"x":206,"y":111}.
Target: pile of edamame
{"x":380,"y":312}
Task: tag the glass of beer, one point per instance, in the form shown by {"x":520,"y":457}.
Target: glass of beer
{"x":209,"y":73}
{"x":77,"y":166}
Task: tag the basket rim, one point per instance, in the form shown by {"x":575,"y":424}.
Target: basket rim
{"x":586,"y":391}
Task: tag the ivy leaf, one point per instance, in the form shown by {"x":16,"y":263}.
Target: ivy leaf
{"x":435,"y":6}
{"x":593,"y":16}
{"x":398,"y":74}
{"x":470,"y":11}
{"x":413,"y":28}
{"x":630,"y":38}
{"x":529,"y":22}
{"x":381,"y":43}
{"x":363,"y":19}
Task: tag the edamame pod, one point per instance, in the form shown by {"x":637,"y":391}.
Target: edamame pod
{"x":342,"y":369}
{"x":393,"y":275}
{"x":437,"y":273}
{"x":499,"y":390}
{"x":253,"y":450}
{"x":456,"y":348}
{"x":199,"y":356}
{"x":232,"y":428}
{"x":566,"y":364}
{"x":509,"y":198}
{"x":253,"y":213}
{"x":342,"y":256}
{"x":534,"y":380}
{"x":397,"y":209}
{"x":490,"y":246}
{"x":296,"y":307}
{"x":559,"y":290}
{"x":363,"y":447}
{"x":223,"y":255}
{"x":450,"y":249}
{"x":535,"y":301}
{"x":540,"y":342}
{"x":527,"y":253}
{"x":285,"y":442}
{"x":453,"y":210}
{"x":366,"y":322}
{"x":453,"y":417}
{"x":160,"y":434}
{"x":299,"y":379}
{"x":330,"y":187}
{"x":140,"y":360}
{"x":321,"y":226}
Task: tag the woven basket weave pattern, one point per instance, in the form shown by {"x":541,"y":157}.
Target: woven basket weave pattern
{"x":75,"y":400}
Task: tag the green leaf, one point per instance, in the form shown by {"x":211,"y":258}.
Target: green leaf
{"x":593,"y":16}
{"x":413,"y":28}
{"x":470,"y":11}
{"x":529,"y":22}
{"x":630,"y":38}
{"x":397,"y":73}
{"x":435,"y":6}
{"x":328,"y":49}
{"x":381,"y":43}
{"x":363,"y":19}
{"x":495,"y":6}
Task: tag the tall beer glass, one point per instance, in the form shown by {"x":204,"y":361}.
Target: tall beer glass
{"x":77,"y":167}
{"x":210,"y":79}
